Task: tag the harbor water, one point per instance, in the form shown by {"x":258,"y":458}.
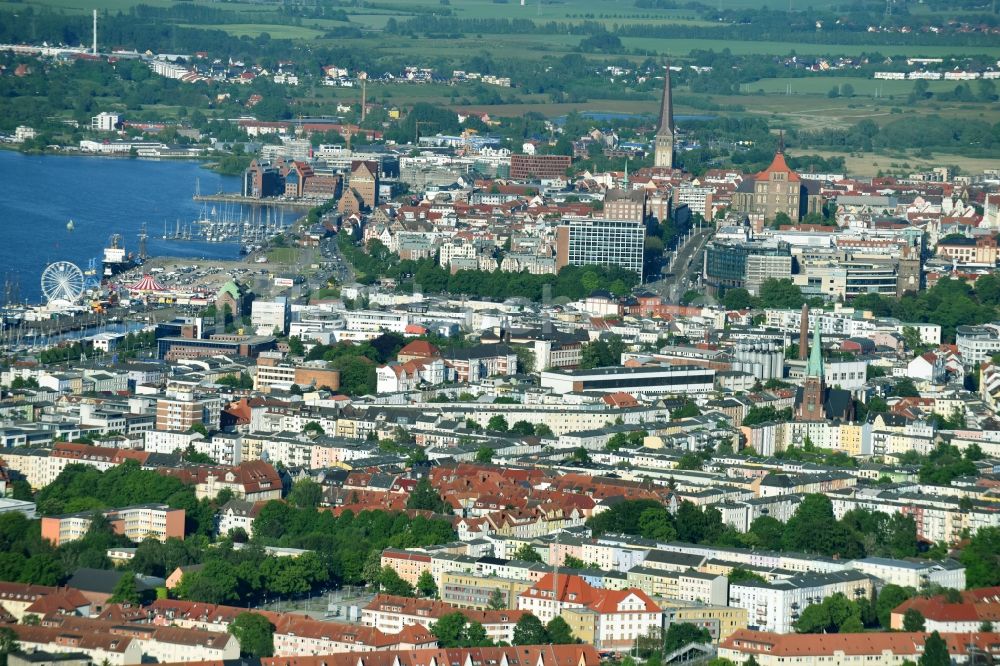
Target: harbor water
{"x":40,"y":194}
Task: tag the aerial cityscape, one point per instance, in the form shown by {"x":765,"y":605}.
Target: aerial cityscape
{"x":499,"y":333}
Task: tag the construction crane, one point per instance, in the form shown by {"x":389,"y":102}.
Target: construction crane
{"x":417,"y":125}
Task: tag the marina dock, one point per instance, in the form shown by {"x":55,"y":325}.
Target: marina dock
{"x":223,"y":197}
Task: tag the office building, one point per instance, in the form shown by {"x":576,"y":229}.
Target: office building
{"x":728,"y":265}
{"x":587,"y":241}
{"x":644,"y":380}
{"x":268,"y":316}
{"x":539,"y":167}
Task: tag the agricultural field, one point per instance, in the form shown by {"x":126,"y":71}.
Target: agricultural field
{"x":256,"y":29}
{"x":870,"y":164}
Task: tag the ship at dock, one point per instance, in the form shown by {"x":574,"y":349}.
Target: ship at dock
{"x":117,"y":260}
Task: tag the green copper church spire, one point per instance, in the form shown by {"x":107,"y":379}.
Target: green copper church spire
{"x":815,"y":366}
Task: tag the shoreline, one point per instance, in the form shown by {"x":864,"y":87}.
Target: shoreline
{"x":205,"y":161}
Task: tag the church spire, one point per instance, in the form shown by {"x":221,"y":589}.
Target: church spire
{"x":815,"y":366}
{"x":663,"y":142}
{"x":666,"y":106}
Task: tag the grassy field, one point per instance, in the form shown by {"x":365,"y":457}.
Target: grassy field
{"x":863,"y":87}
{"x":256,"y":29}
{"x":869,"y":164}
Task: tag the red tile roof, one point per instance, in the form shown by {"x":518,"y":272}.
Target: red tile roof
{"x":876,"y":643}
{"x":523,"y":655}
{"x":778,"y":165}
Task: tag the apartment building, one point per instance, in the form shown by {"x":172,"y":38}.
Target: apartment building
{"x":20,"y":599}
{"x":181,"y":413}
{"x":158,"y":644}
{"x":536,"y":655}
{"x":391,"y":614}
{"x":409,"y":565}
{"x":273,"y":374}
{"x":615,"y":617}
{"x":298,"y":636}
{"x":775,"y":606}
{"x":473,"y":590}
{"x":143,"y":521}
{"x":883,"y":648}
{"x":100,"y":648}
{"x":914,"y":573}
{"x":977,"y":343}
{"x":721,"y":621}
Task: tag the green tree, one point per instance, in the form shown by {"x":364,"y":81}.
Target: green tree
{"x":484,"y":455}
{"x":766,"y":532}
{"x":935,"y":652}
{"x":426,"y":585}
{"x":450,"y":630}
{"x":526,"y":553}
{"x":737,"y":299}
{"x":913,"y":620}
{"x":690,"y":460}
{"x":497,"y":600}
{"x":522,"y":428}
{"x":306,"y":494}
{"x":780,"y":293}
{"x":889,"y":598}
{"x":255,"y":634}
{"x":313,"y":428}
{"x":680,"y":634}
{"x":125,"y":591}
{"x":559,"y":632}
{"x":8,"y":644}
{"x":21,"y":490}
{"x":815,"y":619}
{"x":657,"y":523}
{"x":425,"y":497}
{"x":391,"y":583}
{"x":740,"y":574}
{"x":529,"y":630}
{"x":542,"y":430}
{"x":295,"y":346}
{"x":215,"y":583}
{"x":981,"y":558}
{"x":685,"y":411}
{"x":497,"y":424}
{"x":475,"y":635}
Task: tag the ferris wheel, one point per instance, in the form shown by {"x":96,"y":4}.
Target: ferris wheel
{"x":62,"y":281}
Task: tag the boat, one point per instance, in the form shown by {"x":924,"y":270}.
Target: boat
{"x":116,"y":260}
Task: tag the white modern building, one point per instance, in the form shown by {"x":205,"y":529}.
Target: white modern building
{"x":643,"y":380}
{"x":267,"y":316}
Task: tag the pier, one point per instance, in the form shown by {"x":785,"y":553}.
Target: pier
{"x":251,"y":201}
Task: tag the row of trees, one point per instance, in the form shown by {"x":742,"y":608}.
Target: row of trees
{"x":811,"y":529}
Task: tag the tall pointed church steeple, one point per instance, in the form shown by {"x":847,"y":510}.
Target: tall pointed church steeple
{"x":667,"y":105}
{"x":664,"y":142}
{"x":814,"y":368}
